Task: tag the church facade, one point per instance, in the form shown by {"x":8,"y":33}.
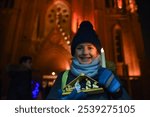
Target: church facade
{"x":44,"y":29}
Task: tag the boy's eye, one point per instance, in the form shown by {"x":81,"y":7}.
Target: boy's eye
{"x":90,"y":48}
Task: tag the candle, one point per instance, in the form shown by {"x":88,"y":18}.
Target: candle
{"x":103,"y":61}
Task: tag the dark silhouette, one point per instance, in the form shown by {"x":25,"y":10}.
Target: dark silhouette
{"x":20,"y":79}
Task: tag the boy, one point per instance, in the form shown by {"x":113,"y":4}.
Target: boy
{"x":85,"y":49}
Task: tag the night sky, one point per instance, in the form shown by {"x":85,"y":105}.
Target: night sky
{"x":144,"y":17}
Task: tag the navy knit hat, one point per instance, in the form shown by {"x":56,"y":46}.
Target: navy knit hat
{"x":85,"y":33}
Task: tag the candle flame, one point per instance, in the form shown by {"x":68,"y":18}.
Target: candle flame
{"x":102,"y":50}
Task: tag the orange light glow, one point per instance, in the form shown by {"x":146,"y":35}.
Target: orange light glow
{"x":53,"y":73}
{"x":75,"y":23}
{"x":131,"y":59}
{"x":67,"y":66}
{"x":133,"y":67}
{"x":119,"y":4}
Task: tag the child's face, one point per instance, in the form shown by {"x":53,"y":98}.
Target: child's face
{"x":28,"y":64}
{"x":86,"y":53}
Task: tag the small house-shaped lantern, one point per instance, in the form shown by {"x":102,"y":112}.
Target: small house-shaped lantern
{"x":83,"y":83}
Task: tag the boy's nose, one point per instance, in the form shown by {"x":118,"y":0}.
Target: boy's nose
{"x":85,"y":51}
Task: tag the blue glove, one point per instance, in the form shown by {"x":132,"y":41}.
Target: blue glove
{"x":107,"y":79}
{"x":74,"y":95}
